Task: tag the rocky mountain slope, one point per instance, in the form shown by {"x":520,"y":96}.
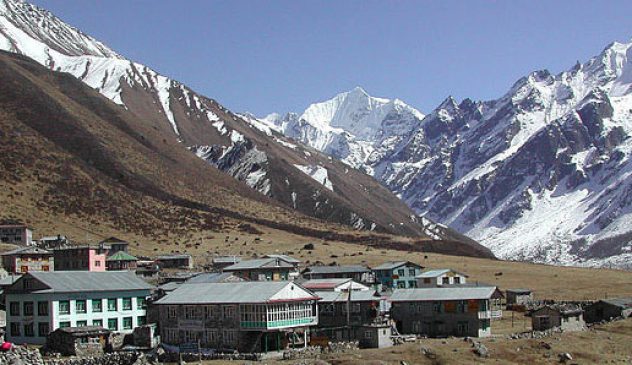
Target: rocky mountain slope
{"x":542,"y":173}
{"x":298,"y":177}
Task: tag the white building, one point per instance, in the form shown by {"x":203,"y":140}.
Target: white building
{"x":40,"y":302}
{"x":441,"y":277}
{"x":336,"y":284}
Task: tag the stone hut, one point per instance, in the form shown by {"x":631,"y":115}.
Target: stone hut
{"x":79,"y":341}
{"x":566,"y":317}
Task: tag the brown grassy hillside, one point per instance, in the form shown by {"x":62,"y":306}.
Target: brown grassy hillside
{"x":72,"y":161}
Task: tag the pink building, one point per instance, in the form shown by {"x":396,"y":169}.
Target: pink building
{"x":79,"y":258}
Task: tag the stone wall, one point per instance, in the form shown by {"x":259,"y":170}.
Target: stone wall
{"x":20,"y":355}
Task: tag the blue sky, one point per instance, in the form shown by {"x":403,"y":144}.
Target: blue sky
{"x":278,"y":56}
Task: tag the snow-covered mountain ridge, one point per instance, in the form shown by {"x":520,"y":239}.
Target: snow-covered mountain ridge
{"x":291,"y":175}
{"x":353,"y":126}
{"x":542,"y":173}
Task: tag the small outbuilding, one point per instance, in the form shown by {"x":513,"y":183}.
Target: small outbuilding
{"x":565,"y":317}
{"x":607,"y":309}
{"x":518,"y":296}
{"x":79,"y":341}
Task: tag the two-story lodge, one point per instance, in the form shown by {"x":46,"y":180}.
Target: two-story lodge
{"x":257,"y":316}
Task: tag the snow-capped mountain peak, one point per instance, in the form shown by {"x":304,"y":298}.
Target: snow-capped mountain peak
{"x":19,"y":19}
{"x":352,"y":126}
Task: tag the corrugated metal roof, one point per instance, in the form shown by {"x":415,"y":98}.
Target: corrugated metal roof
{"x":337,"y":269}
{"x":390,"y":265}
{"x":81,"y":281}
{"x":27,"y":251}
{"x":286,"y":258}
{"x":324,"y":283}
{"x":438,"y":272}
{"x":356,"y":296}
{"x":174,"y":257}
{"x":258,"y":264}
{"x":446,"y":293}
{"x":170,"y":286}
{"x":211,"y":277}
{"x":226,"y":259}
{"x":229,"y":293}
{"x":619,"y":302}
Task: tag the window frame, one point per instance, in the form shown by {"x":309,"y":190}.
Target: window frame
{"x":64,"y":303}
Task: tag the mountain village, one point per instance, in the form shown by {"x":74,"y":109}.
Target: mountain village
{"x":83,"y":301}
{"x":142,"y":222}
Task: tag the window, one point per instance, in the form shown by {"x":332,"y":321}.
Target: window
{"x":45,"y":268}
{"x":14,"y":308}
{"x":426,"y":280}
{"x":127,"y":323}
{"x":141,"y":320}
{"x":42,"y":308}
{"x":97,"y":305}
{"x":401,"y":284}
{"x":97,"y":322}
{"x":461,"y":306}
{"x":113,"y":324}
{"x":172,"y":311}
{"x":417,"y":327}
{"x":42,"y":329}
{"x":64,"y":307}
{"x":229,"y":337}
{"x":211,"y":336}
{"x":97,"y":263}
{"x":457,"y":280}
{"x":368,"y":335}
{"x":436,"y":307}
{"x":82,"y":323}
{"x":15,"y":329}
{"x":112,"y":307}
{"x":80,"y":306}
{"x":484,"y":324}
{"x":127,"y":304}
{"x":141,"y":303}
{"x":445,"y":280}
{"x":229,"y":311}
{"x":28,"y":308}
{"x":400,"y":272}
{"x":411,"y":272}
{"x":64,"y":324}
{"x":412,"y":284}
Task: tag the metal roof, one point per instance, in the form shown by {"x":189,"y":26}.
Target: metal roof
{"x":174,"y":257}
{"x":259,"y":264}
{"x":233,"y":293}
{"x":212,"y":277}
{"x":337,"y":269}
{"x":27,"y":251}
{"x":82,"y":281}
{"x":170,"y":286}
{"x":446,"y":293}
{"x":390,"y":265}
{"x":325,"y":283}
{"x":226,"y":259}
{"x":619,"y":302}
{"x":438,"y":272}
{"x":356,"y":296}
{"x":121,"y":256}
{"x":114,"y":240}
{"x":286,"y":258}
